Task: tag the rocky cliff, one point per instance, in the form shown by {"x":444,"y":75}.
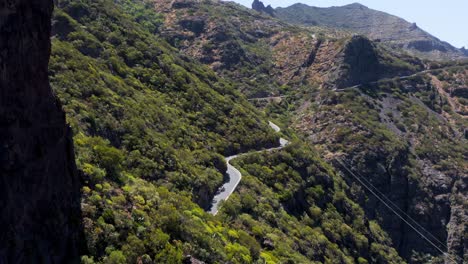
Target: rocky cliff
{"x":403,"y":138}
{"x":361,"y":61}
{"x":39,"y":186}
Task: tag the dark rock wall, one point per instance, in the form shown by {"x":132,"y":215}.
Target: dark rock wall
{"x":434,"y":200}
{"x":360,"y":62}
{"x":39,"y":186}
{"x":389,"y":175}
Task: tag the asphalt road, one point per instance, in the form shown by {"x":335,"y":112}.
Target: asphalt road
{"x":235,"y":176}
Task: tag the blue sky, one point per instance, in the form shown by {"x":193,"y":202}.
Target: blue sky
{"x":445,"y":19}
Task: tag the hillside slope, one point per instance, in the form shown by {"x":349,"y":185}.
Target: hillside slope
{"x":266,"y":56}
{"x":151,"y":129}
{"x":374,"y":24}
{"x":311,"y":68}
{"x":408,"y":139}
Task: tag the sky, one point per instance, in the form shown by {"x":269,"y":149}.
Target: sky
{"x":445,"y":19}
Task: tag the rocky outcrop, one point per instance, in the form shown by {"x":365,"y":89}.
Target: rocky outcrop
{"x":39,"y":185}
{"x":260,"y":7}
{"x":360,"y":63}
{"x":193,"y":24}
{"x":427,"y":46}
{"x":388,"y":174}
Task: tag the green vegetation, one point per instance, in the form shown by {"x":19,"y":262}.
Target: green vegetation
{"x":297,"y":192}
{"x":151,"y":129}
{"x":397,"y":134}
{"x":133,"y":96}
{"x":428,"y":116}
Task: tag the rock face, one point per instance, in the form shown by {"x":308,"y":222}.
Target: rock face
{"x":464,"y":50}
{"x":429,"y":195}
{"x":39,"y":185}
{"x":360,"y":62}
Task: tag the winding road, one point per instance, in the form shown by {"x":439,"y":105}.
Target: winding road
{"x":384,"y":79}
{"x":362,"y":84}
{"x":235,"y":176}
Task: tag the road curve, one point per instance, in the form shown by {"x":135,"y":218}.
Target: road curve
{"x":235,"y":176}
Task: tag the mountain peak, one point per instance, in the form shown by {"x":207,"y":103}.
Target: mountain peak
{"x":260,"y":7}
{"x":356,"y":5}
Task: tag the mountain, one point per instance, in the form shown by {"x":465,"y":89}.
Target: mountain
{"x":159,"y":92}
{"x":374,"y":24}
{"x":40,"y":216}
{"x":356,"y":86}
{"x":152,"y":126}
{"x":264,"y":55}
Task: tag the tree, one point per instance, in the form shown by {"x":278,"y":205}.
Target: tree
{"x":116,"y":257}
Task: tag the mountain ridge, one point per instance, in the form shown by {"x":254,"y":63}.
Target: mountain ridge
{"x":375,"y":24}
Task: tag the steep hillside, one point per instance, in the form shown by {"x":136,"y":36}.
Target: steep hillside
{"x":407,"y":137}
{"x":39,"y":185}
{"x":374,"y":24}
{"x":140,"y":96}
{"x":266,"y":56}
{"x":316,"y":72}
{"x":151,"y":129}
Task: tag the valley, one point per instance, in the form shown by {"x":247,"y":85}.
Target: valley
{"x":140,"y":133}
{"x":194,"y":65}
